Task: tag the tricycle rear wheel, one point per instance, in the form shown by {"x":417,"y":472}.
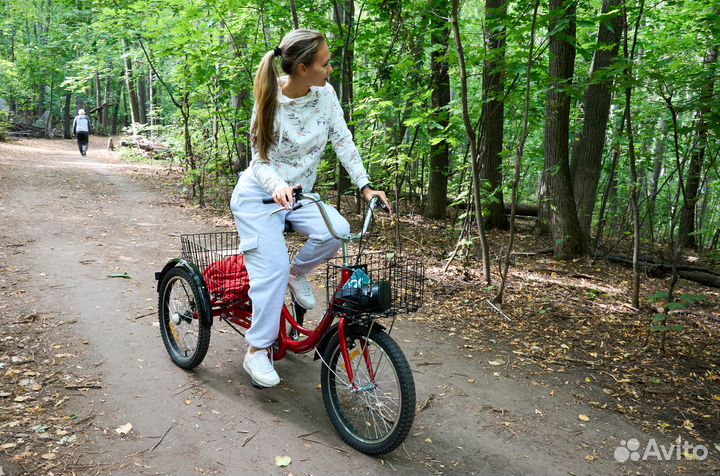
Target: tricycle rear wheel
{"x":182,"y":325}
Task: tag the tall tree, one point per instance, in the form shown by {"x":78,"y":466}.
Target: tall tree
{"x":470,"y":130}
{"x":440,"y":84}
{"x":493,"y":110}
{"x":344,"y":16}
{"x":130,"y":83}
{"x":588,"y":148}
{"x":687,"y":217}
{"x":564,"y":224}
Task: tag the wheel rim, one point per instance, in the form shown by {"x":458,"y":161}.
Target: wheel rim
{"x":370,"y":410}
{"x":182,"y":318}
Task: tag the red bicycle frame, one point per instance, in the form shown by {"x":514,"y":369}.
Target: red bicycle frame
{"x":241,"y":314}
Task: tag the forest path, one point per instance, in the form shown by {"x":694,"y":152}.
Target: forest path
{"x":74,"y":220}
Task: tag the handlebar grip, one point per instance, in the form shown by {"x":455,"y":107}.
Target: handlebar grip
{"x":297,"y":196}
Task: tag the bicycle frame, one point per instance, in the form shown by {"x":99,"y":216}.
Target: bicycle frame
{"x":241,"y":314}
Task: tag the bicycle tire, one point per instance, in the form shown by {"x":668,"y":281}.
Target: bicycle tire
{"x":179,"y":295}
{"x":341,"y":400}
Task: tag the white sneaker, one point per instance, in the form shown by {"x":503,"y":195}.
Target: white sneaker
{"x":258,"y":365}
{"x":301,"y":291}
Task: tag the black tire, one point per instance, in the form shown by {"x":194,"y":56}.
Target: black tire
{"x":353,"y":413}
{"x":186,"y":337}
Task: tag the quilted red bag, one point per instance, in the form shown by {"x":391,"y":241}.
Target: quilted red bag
{"x":227,"y":280}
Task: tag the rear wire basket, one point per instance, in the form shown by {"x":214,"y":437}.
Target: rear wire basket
{"x":406,"y":279}
{"x":210,"y":252}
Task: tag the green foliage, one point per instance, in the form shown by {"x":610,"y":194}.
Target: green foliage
{"x":4,"y":126}
{"x":659,"y":320}
{"x":206,"y":54}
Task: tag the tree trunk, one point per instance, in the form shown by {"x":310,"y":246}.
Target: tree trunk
{"x":588,"y":148}
{"x":634,"y":195}
{"x":296,"y":23}
{"x":106,"y":105}
{"x":345,"y":18}
{"x":518,"y":161}
{"x":493,"y":111}
{"x":98,"y":98}
{"x":440,"y":84}
{"x":473,"y":145}
{"x":142,"y":98}
{"x":687,"y":218}
{"x":564,"y":224}
{"x":67,"y":124}
{"x":130,"y":83}
{"x":658,"y":156}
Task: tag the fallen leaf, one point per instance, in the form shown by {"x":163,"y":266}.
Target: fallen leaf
{"x":49,"y":456}
{"x":428,"y":440}
{"x":584,"y":417}
{"x":590,"y":458}
{"x":8,"y":446}
{"x":124,"y":430}
{"x":5,"y":394}
{"x":188,"y":402}
{"x":282,"y":461}
{"x":119,"y":275}
{"x":21,"y":398}
{"x":496,"y":362}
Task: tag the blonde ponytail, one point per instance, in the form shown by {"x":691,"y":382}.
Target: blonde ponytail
{"x":265,"y":91}
{"x":297,"y":47}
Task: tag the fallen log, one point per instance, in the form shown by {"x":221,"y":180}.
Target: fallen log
{"x":523,"y":210}
{"x":157,"y":150}
{"x":698,"y":274}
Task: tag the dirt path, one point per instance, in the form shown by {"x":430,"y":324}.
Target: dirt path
{"x":67,"y":222}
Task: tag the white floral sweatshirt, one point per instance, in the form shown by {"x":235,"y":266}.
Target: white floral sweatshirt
{"x":302,"y":128}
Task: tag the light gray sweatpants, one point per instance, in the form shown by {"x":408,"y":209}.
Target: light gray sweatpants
{"x":266,"y":256}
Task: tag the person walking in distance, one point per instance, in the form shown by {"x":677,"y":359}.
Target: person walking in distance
{"x":293,"y":118}
{"x":82,"y":128}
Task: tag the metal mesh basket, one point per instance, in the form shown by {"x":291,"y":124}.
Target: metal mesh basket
{"x":217,"y":256}
{"x":403,"y":279}
{"x":204,"y":249}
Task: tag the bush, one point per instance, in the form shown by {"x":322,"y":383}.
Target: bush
{"x":4,"y":126}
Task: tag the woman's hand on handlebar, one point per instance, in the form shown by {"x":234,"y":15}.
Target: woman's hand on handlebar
{"x":284,"y":197}
{"x":369,"y":193}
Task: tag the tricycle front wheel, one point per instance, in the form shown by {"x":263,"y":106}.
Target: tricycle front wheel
{"x":374,"y":413}
{"x":183,"y":329}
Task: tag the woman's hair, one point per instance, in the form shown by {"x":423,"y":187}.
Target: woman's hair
{"x":298,"y":47}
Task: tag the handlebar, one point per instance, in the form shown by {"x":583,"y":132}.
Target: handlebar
{"x":298,"y":195}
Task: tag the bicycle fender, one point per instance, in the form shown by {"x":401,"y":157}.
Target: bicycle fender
{"x":352,"y":328}
{"x":196,"y":276}
{"x":168,"y":266}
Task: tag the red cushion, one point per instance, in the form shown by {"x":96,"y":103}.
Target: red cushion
{"x":227,"y":280}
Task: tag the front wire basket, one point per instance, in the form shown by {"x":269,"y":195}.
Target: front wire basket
{"x":405,"y":277}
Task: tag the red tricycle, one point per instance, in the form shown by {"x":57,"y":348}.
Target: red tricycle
{"x":367,"y":384}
